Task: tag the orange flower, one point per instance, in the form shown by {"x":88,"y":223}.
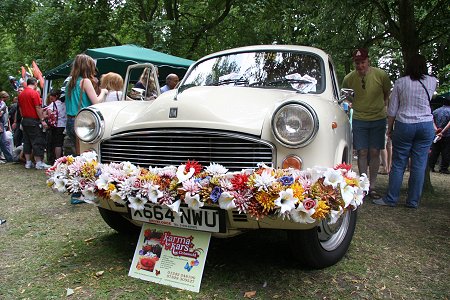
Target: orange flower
{"x":266,"y":200}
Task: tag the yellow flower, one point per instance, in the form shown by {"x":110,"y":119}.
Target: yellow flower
{"x":111,"y":187}
{"x":322,"y":210}
{"x":266,"y":200}
{"x":70,"y":159}
{"x":88,"y":169}
{"x":251,"y":180}
{"x":351,"y":181}
{"x":173,"y":186}
{"x":148,"y":177}
{"x":298,"y":191}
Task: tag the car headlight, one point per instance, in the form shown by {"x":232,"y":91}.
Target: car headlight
{"x":89,"y":125}
{"x":295,"y":124}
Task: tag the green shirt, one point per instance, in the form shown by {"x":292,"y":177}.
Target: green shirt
{"x":73,"y":99}
{"x":368,"y":103}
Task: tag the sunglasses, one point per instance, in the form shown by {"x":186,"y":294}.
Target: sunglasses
{"x":363,"y":83}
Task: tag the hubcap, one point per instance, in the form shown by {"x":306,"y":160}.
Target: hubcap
{"x":331,"y":236}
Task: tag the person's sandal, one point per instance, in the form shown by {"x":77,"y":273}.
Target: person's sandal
{"x":374,"y":195}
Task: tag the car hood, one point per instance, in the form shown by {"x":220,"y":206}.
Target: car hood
{"x":240,"y":109}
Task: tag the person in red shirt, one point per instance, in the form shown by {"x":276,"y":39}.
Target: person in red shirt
{"x":33,"y":124}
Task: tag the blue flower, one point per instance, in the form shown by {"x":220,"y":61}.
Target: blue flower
{"x":287,"y":180}
{"x":215,"y":194}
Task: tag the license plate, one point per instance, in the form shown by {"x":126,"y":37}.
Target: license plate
{"x":204,"y":219}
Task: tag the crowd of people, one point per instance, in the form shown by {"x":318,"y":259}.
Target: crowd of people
{"x":396,"y":125}
{"x":32,"y":130}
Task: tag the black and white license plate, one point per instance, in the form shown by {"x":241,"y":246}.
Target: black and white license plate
{"x":205,"y":219}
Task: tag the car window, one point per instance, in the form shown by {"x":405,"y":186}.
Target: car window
{"x":298,"y":71}
{"x":334,"y":81}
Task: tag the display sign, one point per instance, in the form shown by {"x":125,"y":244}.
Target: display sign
{"x":170,"y":256}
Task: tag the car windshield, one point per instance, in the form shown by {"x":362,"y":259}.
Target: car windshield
{"x":298,"y":71}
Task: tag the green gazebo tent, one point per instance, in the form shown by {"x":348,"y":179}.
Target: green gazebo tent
{"x":118,"y":58}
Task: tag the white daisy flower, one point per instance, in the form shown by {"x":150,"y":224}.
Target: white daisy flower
{"x":264,"y":181}
{"x":216,"y":169}
{"x":128,"y":167}
{"x":89,"y":156}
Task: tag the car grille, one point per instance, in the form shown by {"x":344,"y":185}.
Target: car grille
{"x":158,"y":148}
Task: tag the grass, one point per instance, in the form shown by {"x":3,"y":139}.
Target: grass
{"x":48,"y":246}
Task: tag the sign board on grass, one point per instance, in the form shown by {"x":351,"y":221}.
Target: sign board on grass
{"x":170,"y":256}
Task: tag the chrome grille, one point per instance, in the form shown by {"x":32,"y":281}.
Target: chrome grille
{"x":158,"y":148}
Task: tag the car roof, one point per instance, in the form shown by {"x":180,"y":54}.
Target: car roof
{"x":293,"y":48}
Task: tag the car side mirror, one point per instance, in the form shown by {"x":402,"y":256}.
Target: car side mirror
{"x":346,"y":94}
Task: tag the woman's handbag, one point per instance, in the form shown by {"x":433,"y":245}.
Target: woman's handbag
{"x":52,"y":116}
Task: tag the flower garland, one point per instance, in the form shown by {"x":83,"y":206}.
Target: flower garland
{"x":302,"y":196}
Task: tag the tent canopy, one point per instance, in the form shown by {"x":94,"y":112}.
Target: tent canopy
{"x":118,"y":58}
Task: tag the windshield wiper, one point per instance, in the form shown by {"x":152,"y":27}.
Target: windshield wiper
{"x":235,"y":81}
{"x":286,"y":80}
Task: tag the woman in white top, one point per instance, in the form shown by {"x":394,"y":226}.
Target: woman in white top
{"x":113,"y":82}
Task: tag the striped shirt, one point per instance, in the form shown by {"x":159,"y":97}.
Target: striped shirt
{"x":409,"y":102}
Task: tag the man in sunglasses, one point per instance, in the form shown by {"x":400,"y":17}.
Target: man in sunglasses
{"x":372,"y":87}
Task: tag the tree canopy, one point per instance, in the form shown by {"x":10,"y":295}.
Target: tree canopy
{"x":53,"y":31}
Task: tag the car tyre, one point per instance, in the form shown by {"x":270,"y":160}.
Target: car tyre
{"x":324,"y":245}
{"x":118,"y":222}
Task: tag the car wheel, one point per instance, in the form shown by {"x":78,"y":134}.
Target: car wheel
{"x":324,"y":245}
{"x":118,"y":222}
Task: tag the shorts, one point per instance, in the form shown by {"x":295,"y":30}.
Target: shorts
{"x":33,"y":137}
{"x":369,"y":134}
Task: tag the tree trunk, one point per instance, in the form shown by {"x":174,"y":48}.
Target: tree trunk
{"x":407,"y":27}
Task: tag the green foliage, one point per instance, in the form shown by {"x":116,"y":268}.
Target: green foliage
{"x":51,"y":32}
{"x":444,"y":84}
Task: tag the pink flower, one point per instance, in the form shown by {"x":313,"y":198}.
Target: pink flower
{"x":309,"y":203}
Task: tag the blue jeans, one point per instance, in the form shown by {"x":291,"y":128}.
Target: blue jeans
{"x":409,"y":140}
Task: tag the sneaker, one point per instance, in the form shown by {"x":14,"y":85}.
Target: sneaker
{"x":42,"y":166}
{"x":381,"y":202}
{"x":29,"y":165}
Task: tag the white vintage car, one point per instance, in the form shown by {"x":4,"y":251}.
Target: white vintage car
{"x":275,"y":105}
